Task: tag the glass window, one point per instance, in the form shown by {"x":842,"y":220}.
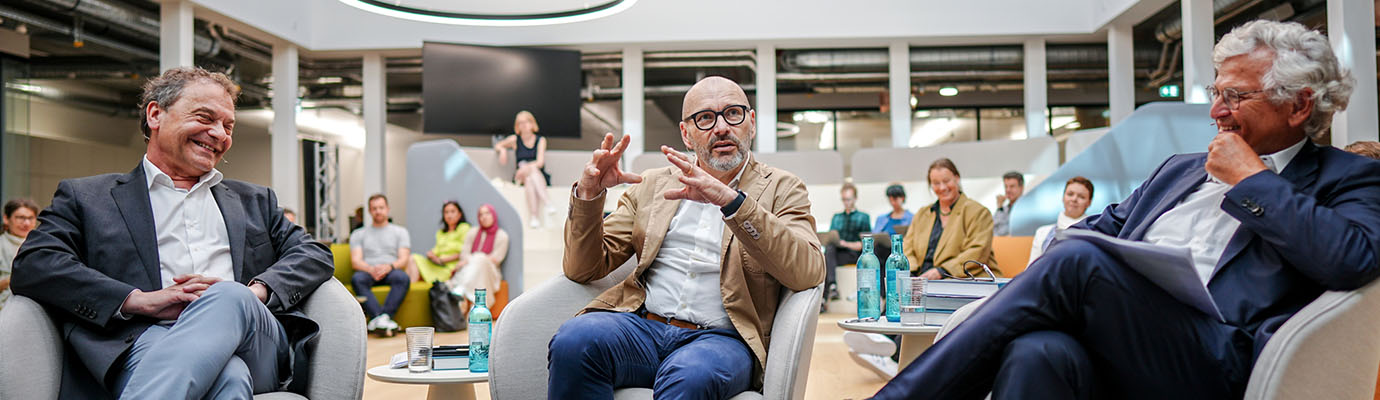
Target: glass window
{"x":944,"y":125}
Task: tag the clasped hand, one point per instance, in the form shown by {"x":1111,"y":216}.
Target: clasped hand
{"x":167,"y":303}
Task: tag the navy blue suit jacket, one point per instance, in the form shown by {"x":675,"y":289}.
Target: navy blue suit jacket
{"x":1313,"y":227}
{"x":97,"y":242}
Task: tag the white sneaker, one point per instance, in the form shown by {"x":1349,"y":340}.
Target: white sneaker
{"x":373,"y":324}
{"x":533,"y":223}
{"x":387,"y":322}
{"x":869,"y":343}
{"x":883,"y":366}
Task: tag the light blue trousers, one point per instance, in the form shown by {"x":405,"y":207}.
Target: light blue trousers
{"x":225,"y":345}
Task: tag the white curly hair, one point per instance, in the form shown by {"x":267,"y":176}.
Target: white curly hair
{"x":1303,"y":59}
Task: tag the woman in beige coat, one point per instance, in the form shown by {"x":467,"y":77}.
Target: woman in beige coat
{"x":950,"y":232}
{"x":480,"y":260}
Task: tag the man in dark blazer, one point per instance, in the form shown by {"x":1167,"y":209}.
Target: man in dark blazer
{"x":1271,"y":220}
{"x":169,"y":282}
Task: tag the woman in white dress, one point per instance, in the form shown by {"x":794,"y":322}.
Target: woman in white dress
{"x":480,"y":260}
{"x":1078,"y":193}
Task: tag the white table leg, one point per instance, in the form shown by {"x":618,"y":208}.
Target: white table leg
{"x":450,"y":391}
{"x":912,"y":346}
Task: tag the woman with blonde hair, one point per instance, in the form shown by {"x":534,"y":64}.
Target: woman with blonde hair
{"x":954,"y":230}
{"x":529,"y":150}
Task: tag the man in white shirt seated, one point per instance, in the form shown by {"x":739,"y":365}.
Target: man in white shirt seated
{"x":1271,"y":220}
{"x":716,"y":237}
{"x":171,"y":282}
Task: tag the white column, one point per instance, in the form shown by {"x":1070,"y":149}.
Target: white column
{"x":375,"y":122}
{"x":287,"y":174}
{"x":898,"y":72}
{"x":1352,"y":32}
{"x":1197,"y":37}
{"x":766,"y":98}
{"x":175,"y":35}
{"x":1036,"y":89}
{"x":1121,"y":72}
{"x":634,"y":109}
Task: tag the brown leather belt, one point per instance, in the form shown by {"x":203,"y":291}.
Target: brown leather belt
{"x":673,"y":322}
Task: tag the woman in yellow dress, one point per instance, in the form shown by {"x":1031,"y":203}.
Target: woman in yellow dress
{"x":439,"y":263}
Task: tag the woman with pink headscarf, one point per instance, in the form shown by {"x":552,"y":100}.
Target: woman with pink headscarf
{"x":480,"y":260}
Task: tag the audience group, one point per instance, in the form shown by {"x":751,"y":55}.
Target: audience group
{"x":717,"y":235}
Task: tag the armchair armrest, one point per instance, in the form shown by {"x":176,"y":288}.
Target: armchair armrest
{"x":337,"y":354}
{"x":957,"y":318}
{"x":792,"y":342}
{"x":30,"y":351}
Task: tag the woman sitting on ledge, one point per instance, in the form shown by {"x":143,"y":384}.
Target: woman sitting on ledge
{"x":480,"y":261}
{"x":440,"y":263}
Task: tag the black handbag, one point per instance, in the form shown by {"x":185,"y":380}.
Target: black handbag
{"x":446,"y":314}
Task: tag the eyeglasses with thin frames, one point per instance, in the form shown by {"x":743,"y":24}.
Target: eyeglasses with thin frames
{"x":707,"y":119}
{"x":1231,"y":97}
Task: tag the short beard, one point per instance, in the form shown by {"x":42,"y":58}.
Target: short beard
{"x":724,"y":165}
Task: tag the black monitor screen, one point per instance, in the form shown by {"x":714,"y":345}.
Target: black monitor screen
{"x":479,"y":89}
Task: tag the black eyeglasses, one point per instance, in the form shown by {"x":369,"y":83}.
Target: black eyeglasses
{"x":733,"y":115}
{"x":1231,"y":97}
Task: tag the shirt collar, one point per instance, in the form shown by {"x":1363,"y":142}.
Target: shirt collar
{"x":734,"y":183}
{"x":1276,"y":161}
{"x":153,"y":175}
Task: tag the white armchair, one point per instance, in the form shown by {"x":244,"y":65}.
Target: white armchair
{"x":517,"y":358}
{"x":1328,"y":350}
{"x":31,"y":349}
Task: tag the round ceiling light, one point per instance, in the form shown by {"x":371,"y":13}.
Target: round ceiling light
{"x":550,"y":12}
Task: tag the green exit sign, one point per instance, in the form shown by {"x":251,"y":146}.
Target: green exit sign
{"x":1169,"y":91}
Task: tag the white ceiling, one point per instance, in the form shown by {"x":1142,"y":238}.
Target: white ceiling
{"x":505,"y":7}
{"x":329,"y":25}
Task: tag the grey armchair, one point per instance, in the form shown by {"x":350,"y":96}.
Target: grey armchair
{"x":31,"y":349}
{"x":1328,"y":350}
{"x":517,"y":357}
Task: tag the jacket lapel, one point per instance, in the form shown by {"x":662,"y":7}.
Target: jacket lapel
{"x":1300,"y":173}
{"x":947,"y":235}
{"x":1195,"y":176}
{"x":233,"y":213}
{"x":131,"y":195}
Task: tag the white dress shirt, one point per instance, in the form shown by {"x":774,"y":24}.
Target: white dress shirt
{"x":1045,"y":235}
{"x":1199,"y":224}
{"x":192,"y":237}
{"x":683,"y":281}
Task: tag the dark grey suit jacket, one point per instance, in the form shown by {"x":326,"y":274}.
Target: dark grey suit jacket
{"x":97,"y":242}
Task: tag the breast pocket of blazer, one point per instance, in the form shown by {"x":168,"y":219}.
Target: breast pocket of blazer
{"x":260,"y":252}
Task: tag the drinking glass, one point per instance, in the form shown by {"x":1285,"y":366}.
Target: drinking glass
{"x":912,"y":300}
{"x":419,"y":340}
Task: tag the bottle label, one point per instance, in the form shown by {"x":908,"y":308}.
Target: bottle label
{"x":867,"y":278}
{"x":479,"y":333}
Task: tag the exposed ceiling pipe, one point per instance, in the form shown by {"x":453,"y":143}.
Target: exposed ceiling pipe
{"x":122,"y":17}
{"x":751,"y":65}
{"x":1172,"y":29}
{"x":49,"y":25}
{"x":950,"y":58}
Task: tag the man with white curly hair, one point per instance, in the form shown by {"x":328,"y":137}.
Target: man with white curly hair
{"x":1271,"y":221}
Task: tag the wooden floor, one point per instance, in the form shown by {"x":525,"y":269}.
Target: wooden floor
{"x":833,"y":375}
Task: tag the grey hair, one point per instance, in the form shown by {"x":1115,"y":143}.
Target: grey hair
{"x":166,"y":88}
{"x":1303,"y":59}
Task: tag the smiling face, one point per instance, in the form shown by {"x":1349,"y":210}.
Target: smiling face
{"x":21,"y":222}
{"x":190,"y":136}
{"x":944,"y":184}
{"x":1076,"y":199}
{"x":1265,"y":126}
{"x":723,"y":147}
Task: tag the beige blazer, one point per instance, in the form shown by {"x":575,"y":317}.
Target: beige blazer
{"x":770,"y":242}
{"x":968,"y":236}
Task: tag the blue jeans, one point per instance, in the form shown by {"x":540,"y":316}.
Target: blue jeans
{"x":594,"y":353}
{"x":398,"y":283}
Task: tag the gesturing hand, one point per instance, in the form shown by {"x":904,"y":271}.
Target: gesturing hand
{"x":167,"y":303}
{"x":602,"y":171}
{"x":1230,"y":159}
{"x":699,"y":185}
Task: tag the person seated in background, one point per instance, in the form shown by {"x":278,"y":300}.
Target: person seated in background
{"x":1013,"y":184}
{"x":290,"y":215}
{"x":1078,"y":192}
{"x":850,"y":225}
{"x":171,"y":281}
{"x":716,"y":237}
{"x":1368,"y":148}
{"x":887,"y":222}
{"x":1271,"y":221}
{"x":21,"y":215}
{"x":439,"y":263}
{"x":380,"y":254}
{"x":943,"y":237}
{"x":479,"y":262}
{"x":529,"y":149}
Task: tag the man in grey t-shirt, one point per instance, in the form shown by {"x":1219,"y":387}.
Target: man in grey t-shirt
{"x":379,"y":253}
